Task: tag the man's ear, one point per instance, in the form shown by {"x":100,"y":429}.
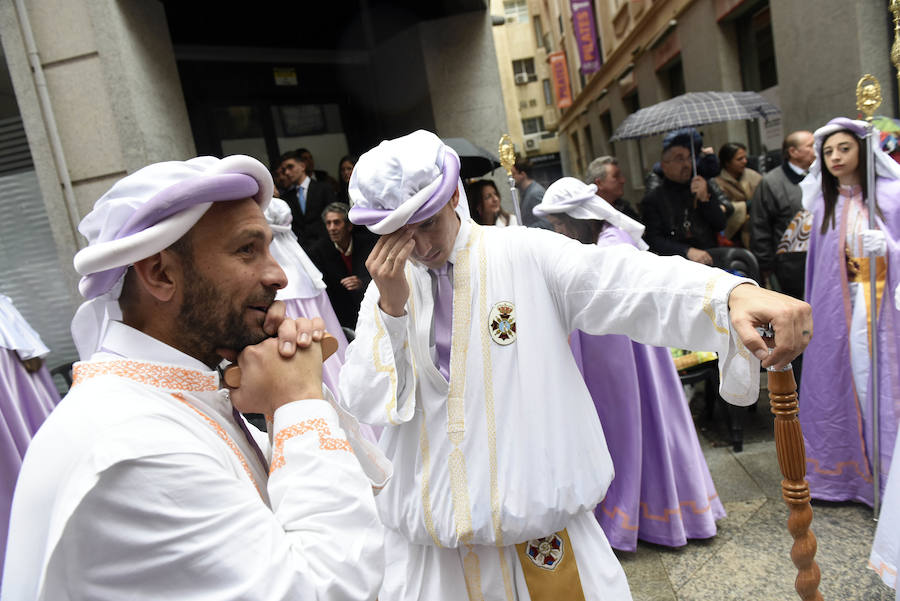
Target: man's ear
{"x":454,"y":200}
{"x":159,"y":275}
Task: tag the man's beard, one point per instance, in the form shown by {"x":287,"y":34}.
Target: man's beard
{"x":208,"y":319}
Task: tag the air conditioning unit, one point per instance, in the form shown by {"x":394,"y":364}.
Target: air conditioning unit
{"x":521,"y":78}
{"x":532,"y":142}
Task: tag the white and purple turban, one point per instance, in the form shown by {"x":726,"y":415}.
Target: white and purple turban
{"x":580,"y":201}
{"x":811,"y":185}
{"x":405,"y":180}
{"x":144,"y":213}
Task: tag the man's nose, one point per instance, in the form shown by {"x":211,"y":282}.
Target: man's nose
{"x":273,"y":275}
{"x":422,"y":245}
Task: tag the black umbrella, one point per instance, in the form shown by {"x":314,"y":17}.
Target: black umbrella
{"x":474,"y":160}
{"x":693,"y":109}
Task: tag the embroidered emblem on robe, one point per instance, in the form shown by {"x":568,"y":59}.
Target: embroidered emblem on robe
{"x":503,"y":323}
{"x":547,"y":552}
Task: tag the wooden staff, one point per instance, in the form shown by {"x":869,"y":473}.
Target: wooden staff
{"x":794,"y":488}
{"x":232,"y":374}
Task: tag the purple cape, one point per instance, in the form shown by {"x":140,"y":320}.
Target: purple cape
{"x":662,"y":491}
{"x":26,"y":399}
{"x":838,"y":442}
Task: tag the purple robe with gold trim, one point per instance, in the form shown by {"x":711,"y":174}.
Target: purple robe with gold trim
{"x":838,"y":438}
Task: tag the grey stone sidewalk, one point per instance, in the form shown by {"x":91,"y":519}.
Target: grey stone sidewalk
{"x":749,"y":558}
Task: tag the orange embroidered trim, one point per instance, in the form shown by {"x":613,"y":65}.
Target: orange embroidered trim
{"x":666,"y":514}
{"x":839,"y":469}
{"x":224,"y":436}
{"x":151,"y":374}
{"x":882,"y":569}
{"x":326,"y":443}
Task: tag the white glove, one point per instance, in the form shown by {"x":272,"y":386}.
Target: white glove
{"x":873,"y":242}
{"x":897,"y":297}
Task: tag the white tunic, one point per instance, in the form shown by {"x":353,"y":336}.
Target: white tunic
{"x":885,"y":557}
{"x":142,"y":485}
{"x":512,"y":448}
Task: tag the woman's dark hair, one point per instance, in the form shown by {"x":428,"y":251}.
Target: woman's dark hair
{"x":830,"y":183}
{"x":586,"y":230}
{"x":343,"y":193}
{"x":347,"y":158}
{"x":474,"y":191}
{"x":727,"y":152}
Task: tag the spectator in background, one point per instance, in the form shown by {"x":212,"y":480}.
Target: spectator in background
{"x":27,"y":396}
{"x":484,"y":204}
{"x":604,"y":173}
{"x":345,"y":168}
{"x":704,"y":157}
{"x":305,"y":197}
{"x":341,"y":257}
{"x":681,"y":215}
{"x":530,"y":194}
{"x":776,"y":202}
{"x":739,"y":182}
{"x":317,"y":175}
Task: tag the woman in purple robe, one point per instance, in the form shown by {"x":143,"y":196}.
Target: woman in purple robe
{"x":27,"y":396}
{"x":662,"y":491}
{"x":835,"y":402}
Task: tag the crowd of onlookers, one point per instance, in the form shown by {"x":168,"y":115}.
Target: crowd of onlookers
{"x":695,"y":201}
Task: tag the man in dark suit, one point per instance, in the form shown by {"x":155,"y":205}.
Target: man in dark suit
{"x":305,"y":197}
{"x":774,"y":205}
{"x":317,"y":175}
{"x":341,"y":257}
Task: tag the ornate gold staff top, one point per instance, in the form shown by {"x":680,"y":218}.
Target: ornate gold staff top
{"x":508,"y":158}
{"x":868,"y":95}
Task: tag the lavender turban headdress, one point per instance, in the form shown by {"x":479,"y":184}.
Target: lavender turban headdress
{"x":406,"y":180}
{"x":144,"y":213}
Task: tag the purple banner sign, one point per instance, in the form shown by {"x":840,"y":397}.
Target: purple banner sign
{"x":586,"y":35}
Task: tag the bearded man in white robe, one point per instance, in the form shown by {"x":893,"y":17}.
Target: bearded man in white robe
{"x":461,"y":353}
{"x":146,"y":482}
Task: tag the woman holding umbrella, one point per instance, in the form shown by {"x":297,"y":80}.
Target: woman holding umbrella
{"x":662,"y":491}
{"x":837,"y":416}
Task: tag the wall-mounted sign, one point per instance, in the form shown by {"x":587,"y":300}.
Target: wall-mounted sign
{"x":285,"y":76}
{"x":586,"y":36}
{"x":560,"y":74}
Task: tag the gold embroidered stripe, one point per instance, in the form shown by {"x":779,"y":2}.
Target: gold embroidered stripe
{"x":707,"y":304}
{"x":426,"y":477}
{"x":456,"y":406}
{"x":472,"y":574}
{"x":381,"y":367}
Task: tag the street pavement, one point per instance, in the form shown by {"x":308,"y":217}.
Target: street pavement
{"x":749,"y":558}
